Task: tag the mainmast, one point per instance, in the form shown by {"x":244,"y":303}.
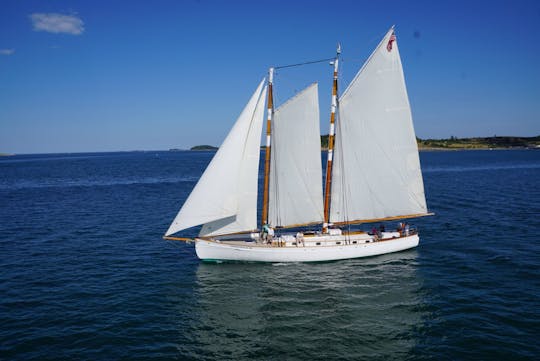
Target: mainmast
{"x":270,"y":113}
{"x":328,"y":183}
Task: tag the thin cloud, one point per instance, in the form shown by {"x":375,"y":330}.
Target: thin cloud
{"x":57,"y":23}
{"x":7,"y":51}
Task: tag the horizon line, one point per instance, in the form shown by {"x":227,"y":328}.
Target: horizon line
{"x":7,"y":154}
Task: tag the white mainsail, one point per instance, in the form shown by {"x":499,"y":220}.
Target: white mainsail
{"x":295,"y":190}
{"x":376,"y":170}
{"x":225,"y":198}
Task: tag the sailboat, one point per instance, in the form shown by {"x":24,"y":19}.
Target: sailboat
{"x":373,"y":174}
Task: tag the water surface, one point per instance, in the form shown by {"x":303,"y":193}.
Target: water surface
{"x":85,"y":275}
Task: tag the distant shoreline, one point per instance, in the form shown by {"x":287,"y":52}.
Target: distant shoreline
{"x":487,"y":143}
{"x":484,"y":143}
{"x":454,"y":143}
{"x":474,"y":149}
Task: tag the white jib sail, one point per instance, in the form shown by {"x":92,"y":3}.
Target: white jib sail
{"x":376,"y":166}
{"x":295,"y":195}
{"x":225,"y":198}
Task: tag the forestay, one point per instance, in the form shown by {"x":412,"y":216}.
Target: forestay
{"x":295,"y":175}
{"x":225,"y":198}
{"x":376,"y":166}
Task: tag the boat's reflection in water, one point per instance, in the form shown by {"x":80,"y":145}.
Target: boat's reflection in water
{"x":347,"y":309}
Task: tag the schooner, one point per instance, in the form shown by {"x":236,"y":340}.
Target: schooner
{"x":372,"y":173}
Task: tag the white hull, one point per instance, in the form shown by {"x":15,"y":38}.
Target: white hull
{"x":350,"y":247}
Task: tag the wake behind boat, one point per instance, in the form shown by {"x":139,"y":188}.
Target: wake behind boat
{"x":372,"y":174}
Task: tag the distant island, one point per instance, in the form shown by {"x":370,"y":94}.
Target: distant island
{"x":204,"y":147}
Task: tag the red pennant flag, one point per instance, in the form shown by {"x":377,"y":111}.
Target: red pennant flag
{"x":390,"y":41}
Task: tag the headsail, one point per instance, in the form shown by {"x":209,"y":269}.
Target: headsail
{"x":296,"y":174}
{"x":376,"y":166}
{"x":225,"y":198}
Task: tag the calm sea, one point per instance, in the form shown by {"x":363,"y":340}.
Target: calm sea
{"x":85,"y":275}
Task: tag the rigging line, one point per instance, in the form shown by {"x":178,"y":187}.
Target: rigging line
{"x":304,"y":63}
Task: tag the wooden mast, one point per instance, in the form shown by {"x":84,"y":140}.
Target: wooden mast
{"x":328,"y":183}
{"x":270,"y":113}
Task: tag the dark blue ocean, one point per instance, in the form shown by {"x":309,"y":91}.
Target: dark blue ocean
{"x":85,"y":274}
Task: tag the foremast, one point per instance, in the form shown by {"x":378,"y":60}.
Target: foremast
{"x":270,"y":113}
{"x":331,"y":133}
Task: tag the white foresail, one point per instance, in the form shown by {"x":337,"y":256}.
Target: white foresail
{"x":225,"y":198}
{"x":376,"y":166}
{"x":295,"y":171}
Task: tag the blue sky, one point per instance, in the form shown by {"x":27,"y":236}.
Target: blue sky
{"x":112,"y":75}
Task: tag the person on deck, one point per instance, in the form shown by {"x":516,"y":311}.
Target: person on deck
{"x":264,"y":233}
{"x":375,"y":233}
{"x":267,"y":234}
{"x":299,"y":239}
{"x":400,"y":228}
{"x":270,"y":234}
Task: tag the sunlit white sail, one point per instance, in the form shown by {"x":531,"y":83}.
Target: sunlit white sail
{"x":376,"y":166}
{"x":295,"y":173}
{"x":225,"y":198}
